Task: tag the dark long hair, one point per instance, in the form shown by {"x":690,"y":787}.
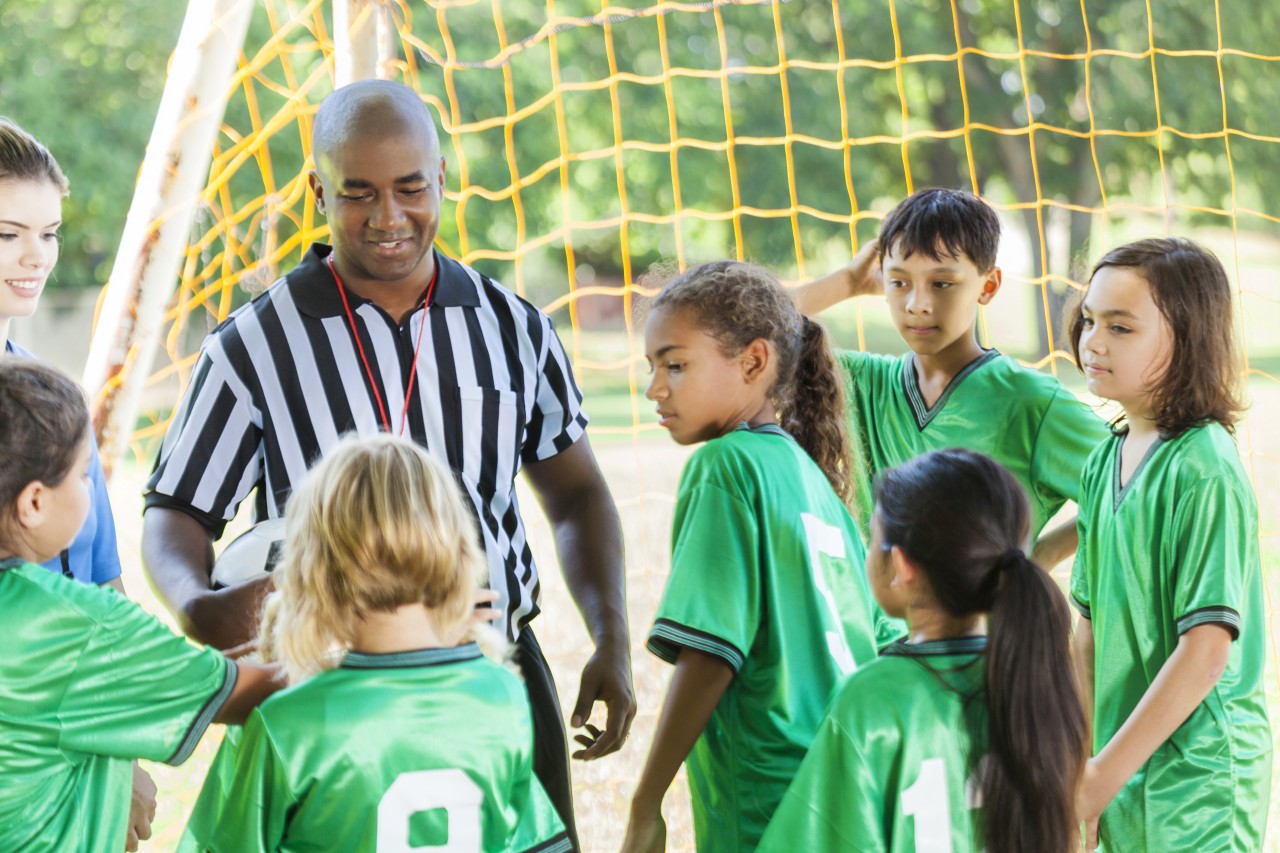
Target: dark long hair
{"x":736,"y":303}
{"x":962,"y":519}
{"x":43,"y":419}
{"x":1190,"y":287}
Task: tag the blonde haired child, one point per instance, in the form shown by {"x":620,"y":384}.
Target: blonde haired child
{"x":398,"y":731}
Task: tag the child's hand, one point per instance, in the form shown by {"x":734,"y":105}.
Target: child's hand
{"x":864,"y":273}
{"x":1094,"y":796}
{"x":142,"y":808}
{"x":645,"y":835}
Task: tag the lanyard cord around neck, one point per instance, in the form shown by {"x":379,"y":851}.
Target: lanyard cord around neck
{"x":368,"y":371}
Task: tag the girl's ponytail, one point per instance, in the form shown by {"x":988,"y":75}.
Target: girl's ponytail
{"x":1037,"y":734}
{"x":962,"y":519}
{"x":814,"y":409}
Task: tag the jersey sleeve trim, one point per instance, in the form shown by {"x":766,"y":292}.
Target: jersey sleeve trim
{"x":1224,"y":616}
{"x":210,"y":522}
{"x":559,"y":843}
{"x":1082,"y":607}
{"x":206,"y":715}
{"x":667,"y":638}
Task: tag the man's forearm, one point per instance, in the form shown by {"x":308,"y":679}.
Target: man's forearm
{"x":177,"y":555}
{"x":589,"y":545}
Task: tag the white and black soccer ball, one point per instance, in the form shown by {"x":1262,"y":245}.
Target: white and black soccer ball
{"x":251,"y":555}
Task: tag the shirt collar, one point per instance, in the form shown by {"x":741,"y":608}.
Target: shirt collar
{"x":413,"y":658}
{"x":316,"y":294}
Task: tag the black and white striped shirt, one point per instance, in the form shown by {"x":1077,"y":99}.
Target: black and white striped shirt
{"x":281,"y":381}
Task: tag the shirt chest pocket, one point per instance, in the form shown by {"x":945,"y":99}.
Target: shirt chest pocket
{"x":490,"y":427}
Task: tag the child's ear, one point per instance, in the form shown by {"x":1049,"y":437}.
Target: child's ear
{"x":990,"y":286}
{"x":905,"y":572}
{"x":29,"y":508}
{"x":756,"y":357}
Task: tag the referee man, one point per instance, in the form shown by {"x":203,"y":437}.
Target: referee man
{"x":381,"y":332}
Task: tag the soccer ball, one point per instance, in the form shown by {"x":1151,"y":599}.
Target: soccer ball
{"x":251,"y":555}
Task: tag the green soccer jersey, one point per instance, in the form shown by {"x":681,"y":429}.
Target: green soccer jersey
{"x":89,"y":682}
{"x":1023,"y":419}
{"x":767,"y":574}
{"x":892,"y":767}
{"x":1177,"y":547}
{"x":387,"y":752}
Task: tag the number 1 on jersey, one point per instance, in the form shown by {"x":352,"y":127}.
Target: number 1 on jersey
{"x":825,"y":539}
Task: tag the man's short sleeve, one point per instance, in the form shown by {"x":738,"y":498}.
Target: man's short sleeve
{"x":713,"y":597}
{"x":140,"y":691}
{"x":212,"y":454}
{"x":1068,"y":433}
{"x":1212,"y":531}
{"x":558,"y":419}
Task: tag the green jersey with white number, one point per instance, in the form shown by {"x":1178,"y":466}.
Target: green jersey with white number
{"x":890,"y":767}
{"x":387,"y":752}
{"x":1023,"y":419}
{"x":88,"y":682}
{"x":1177,"y":547}
{"x":767,"y":573}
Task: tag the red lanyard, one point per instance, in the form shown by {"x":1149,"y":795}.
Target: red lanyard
{"x":368,"y":371}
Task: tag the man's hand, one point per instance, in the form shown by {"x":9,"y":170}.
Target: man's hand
{"x":142,"y":808}
{"x":606,"y":678}
{"x":226,"y":618}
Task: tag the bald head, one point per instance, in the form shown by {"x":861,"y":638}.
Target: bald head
{"x":371,"y":109}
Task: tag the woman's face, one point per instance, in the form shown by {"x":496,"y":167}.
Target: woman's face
{"x":30,"y":213}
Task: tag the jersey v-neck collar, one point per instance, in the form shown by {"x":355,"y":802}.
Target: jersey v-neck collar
{"x":911,"y":387}
{"x":414,"y":658}
{"x":930,"y":648}
{"x":1117,"y":490}
{"x":764,"y":429}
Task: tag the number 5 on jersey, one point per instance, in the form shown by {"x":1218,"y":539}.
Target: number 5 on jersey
{"x":826,"y":540}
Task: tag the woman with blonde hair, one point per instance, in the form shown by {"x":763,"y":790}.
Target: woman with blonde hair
{"x":397,"y":731}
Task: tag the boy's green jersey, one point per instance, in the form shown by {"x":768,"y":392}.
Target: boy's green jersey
{"x":1177,"y":547}
{"x":89,"y":682}
{"x":1023,"y":419}
{"x":385,"y":752}
{"x":767,"y":573}
{"x":892,"y":767}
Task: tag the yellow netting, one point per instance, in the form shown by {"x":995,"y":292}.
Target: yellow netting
{"x":586,"y":140}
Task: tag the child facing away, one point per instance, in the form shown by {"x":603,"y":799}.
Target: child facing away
{"x":407,"y":736}
{"x":766,"y":608}
{"x":1168,"y":577}
{"x":952,"y":740}
{"x":935,"y":263}
{"x":90,"y":681}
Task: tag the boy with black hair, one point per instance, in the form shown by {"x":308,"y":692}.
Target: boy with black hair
{"x":934,"y":262}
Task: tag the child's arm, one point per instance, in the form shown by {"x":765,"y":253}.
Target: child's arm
{"x":1082,"y":645}
{"x":861,"y":277}
{"x":1181,"y":685}
{"x":254,"y":683}
{"x":1056,"y":545}
{"x":696,"y":688}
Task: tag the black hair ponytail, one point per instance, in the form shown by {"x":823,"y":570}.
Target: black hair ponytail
{"x":963,"y":519}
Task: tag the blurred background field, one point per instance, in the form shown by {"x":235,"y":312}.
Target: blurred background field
{"x":588,"y":141}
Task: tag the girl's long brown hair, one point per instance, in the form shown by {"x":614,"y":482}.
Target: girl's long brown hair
{"x":736,"y":303}
{"x":1190,"y":287}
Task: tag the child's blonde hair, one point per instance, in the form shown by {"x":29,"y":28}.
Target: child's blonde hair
{"x":377,"y":524}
